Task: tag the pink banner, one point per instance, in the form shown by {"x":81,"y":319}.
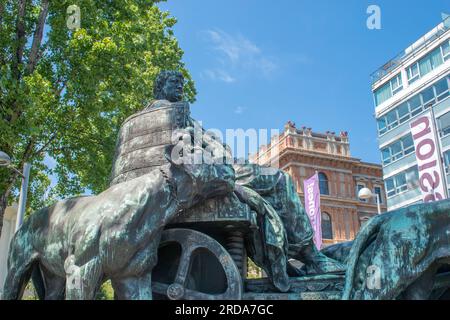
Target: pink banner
{"x":431,"y":176}
{"x":312,"y":206}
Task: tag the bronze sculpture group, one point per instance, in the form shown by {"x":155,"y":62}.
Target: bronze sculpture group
{"x":234,"y":210}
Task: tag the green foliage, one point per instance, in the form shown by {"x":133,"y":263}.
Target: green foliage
{"x":85,"y":83}
{"x":253,"y":271}
{"x":30,"y":292}
{"x":106,"y":292}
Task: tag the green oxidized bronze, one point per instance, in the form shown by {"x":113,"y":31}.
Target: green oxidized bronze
{"x":176,"y":230}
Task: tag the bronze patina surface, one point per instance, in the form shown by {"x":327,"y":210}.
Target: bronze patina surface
{"x":181,"y":230}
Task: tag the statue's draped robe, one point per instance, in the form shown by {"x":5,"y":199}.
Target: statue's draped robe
{"x":282,"y":218}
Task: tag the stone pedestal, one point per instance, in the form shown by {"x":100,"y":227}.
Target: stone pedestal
{"x":9,"y":224}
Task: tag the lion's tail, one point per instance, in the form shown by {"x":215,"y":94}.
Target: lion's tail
{"x":21,"y":261}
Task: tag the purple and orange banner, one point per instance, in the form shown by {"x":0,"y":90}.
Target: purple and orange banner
{"x":312,"y":206}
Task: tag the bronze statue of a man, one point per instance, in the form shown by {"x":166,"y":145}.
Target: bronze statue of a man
{"x":285,"y":227}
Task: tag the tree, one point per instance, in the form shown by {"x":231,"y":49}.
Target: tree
{"x":64,"y":93}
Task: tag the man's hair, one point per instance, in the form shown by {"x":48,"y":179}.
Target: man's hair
{"x":161,"y":78}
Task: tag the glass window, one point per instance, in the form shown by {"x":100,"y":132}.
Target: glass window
{"x":446,"y":50}
{"x":400,"y":182}
{"x":396,"y":84}
{"x":391,"y":119}
{"x":390,"y":187}
{"x":413,"y":72}
{"x":428,"y":97}
{"x":436,"y":58}
{"x":383,"y":93}
{"x":381,"y":125}
{"x":377,"y":191}
{"x":415,"y":105}
{"x":408,"y":144}
{"x":327,"y":226}
{"x":444,"y":124}
{"x":431,"y":61}
{"x":403,"y":112}
{"x":441,"y":88}
{"x":412,"y":178}
{"x":386,"y":154}
{"x":323,"y":183}
{"x":425,"y":65}
{"x":396,"y":150}
{"x":447,"y":161}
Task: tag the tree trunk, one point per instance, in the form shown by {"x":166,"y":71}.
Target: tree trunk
{"x":37,"y":38}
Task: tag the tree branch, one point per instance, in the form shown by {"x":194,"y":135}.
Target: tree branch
{"x":37,"y":38}
{"x":53,"y":136}
{"x":20,"y":38}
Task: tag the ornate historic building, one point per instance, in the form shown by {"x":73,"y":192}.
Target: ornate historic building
{"x":302,"y":152}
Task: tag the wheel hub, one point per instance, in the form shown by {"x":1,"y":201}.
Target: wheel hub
{"x":175,"y":291}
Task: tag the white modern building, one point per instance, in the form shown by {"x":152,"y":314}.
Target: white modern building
{"x":413,"y":83}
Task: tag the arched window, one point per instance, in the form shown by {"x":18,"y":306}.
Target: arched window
{"x":323,"y":183}
{"x":327,"y":226}
{"x":363,"y":221}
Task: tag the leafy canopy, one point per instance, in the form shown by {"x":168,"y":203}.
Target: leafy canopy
{"x":67,"y":99}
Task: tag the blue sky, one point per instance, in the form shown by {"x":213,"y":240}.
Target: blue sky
{"x":259,"y":63}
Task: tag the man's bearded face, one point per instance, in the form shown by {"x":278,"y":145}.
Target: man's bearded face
{"x":173,"y":89}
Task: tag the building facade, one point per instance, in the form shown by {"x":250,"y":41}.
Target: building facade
{"x":303,"y":152}
{"x":414,"y":83}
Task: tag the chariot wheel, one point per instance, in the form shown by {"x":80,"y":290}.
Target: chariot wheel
{"x":194,"y":266}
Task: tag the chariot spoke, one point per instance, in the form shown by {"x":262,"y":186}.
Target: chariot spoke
{"x":159,"y":287}
{"x":185,"y":263}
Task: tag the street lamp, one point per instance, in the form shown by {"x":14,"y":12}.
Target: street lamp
{"x":5,"y":161}
{"x":366,"y":193}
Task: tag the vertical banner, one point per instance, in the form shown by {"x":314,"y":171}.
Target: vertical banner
{"x":431,"y":176}
{"x":312,"y":207}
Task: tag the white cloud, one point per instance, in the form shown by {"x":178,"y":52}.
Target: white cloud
{"x":236,"y":54}
{"x":267,"y":66}
{"x":218,"y":74}
{"x":234,"y":48}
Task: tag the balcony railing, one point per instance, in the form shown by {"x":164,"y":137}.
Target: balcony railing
{"x":397,"y":60}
